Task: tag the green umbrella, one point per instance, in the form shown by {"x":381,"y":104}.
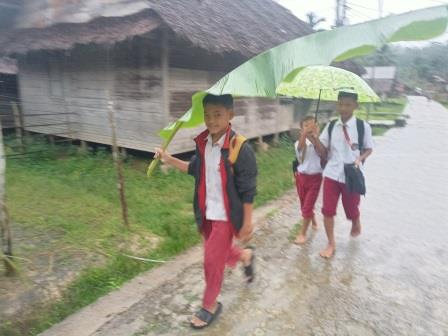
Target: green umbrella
{"x":324,"y":83}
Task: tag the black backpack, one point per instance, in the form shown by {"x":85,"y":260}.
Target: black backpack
{"x":359,"y":127}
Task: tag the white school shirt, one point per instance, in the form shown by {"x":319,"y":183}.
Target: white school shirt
{"x":214,"y":198}
{"x":311,"y":163}
{"x":340,"y":151}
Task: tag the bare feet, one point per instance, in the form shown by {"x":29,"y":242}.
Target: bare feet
{"x":328,"y":252}
{"x":197,"y":322}
{"x":356,"y":229}
{"x":301,"y":239}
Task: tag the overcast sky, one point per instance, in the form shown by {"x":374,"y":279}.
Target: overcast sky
{"x":358,"y":11}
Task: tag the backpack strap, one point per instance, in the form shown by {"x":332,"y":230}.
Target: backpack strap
{"x":323,"y":161}
{"x":360,"y":129}
{"x":330,"y":130}
{"x":235,"y":146}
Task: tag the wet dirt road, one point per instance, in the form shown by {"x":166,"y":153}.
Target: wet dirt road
{"x":392,"y":280}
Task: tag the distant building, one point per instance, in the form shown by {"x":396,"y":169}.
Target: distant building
{"x":151,"y":56}
{"x":383,"y":79}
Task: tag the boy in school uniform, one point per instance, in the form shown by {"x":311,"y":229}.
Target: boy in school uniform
{"x":224,"y":168}
{"x":339,"y":143}
{"x":308,"y":175}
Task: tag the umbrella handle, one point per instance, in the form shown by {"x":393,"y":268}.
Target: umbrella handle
{"x":317,"y":107}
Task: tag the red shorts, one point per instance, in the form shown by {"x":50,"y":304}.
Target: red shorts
{"x":332,"y":190}
{"x":308,"y":187}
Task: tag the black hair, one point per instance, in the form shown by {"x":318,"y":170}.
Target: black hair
{"x":352,"y":95}
{"x":225,"y":100}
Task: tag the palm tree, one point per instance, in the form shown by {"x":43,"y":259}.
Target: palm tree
{"x":314,"y":20}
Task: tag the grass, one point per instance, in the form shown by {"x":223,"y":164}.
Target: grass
{"x":75,"y":195}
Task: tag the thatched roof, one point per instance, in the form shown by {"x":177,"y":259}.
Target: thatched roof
{"x":248,"y":27}
{"x":63,"y":36}
{"x":219,"y":26}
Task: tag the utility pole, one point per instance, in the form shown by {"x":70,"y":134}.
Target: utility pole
{"x":341,"y":7}
{"x":372,"y":79}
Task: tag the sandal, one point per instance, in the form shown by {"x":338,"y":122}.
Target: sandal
{"x":207,"y":317}
{"x":249,"y":270}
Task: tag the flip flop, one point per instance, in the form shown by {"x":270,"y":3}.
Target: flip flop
{"x":207,"y":317}
{"x":249,"y":270}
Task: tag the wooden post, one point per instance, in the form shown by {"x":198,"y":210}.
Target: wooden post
{"x":276,"y":139}
{"x":6,"y":239}
{"x":124,"y":153}
{"x":65,"y":83}
{"x":165,"y":71}
{"x":18,"y":124}
{"x":83,"y":145}
{"x":51,"y":140}
{"x":117,"y":159}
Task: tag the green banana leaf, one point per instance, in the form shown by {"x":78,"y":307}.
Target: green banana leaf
{"x":261,"y":75}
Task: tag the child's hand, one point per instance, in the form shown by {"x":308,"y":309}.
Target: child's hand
{"x":316,"y":130}
{"x":161,"y":154}
{"x":245,"y":234}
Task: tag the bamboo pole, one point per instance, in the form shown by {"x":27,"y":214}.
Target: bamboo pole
{"x":6,"y":239}
{"x":117,"y":160}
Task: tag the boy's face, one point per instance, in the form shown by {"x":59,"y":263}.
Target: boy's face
{"x":217,"y":118}
{"x":345,"y":107}
{"x":308,"y":124}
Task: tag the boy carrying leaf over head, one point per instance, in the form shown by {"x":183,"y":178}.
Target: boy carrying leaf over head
{"x":225,"y":170}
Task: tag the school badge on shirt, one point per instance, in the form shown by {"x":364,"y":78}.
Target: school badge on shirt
{"x":355,"y":147}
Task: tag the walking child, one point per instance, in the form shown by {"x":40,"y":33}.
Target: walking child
{"x":224,"y":168}
{"x":308,"y":175}
{"x":345,"y":141}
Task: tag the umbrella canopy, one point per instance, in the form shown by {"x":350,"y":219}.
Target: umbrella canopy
{"x":324,"y":83}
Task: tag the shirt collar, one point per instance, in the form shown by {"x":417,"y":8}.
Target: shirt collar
{"x":220,"y":142}
{"x":350,"y":123}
